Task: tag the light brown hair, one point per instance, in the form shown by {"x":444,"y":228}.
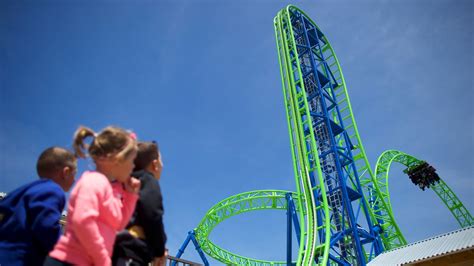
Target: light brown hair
{"x":110,"y":142}
{"x":54,"y":159}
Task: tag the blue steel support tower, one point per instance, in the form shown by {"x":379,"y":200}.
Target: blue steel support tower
{"x":313,"y":101}
{"x":335,"y":223}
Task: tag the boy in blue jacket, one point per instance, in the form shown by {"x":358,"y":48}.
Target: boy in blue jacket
{"x":29,"y":215}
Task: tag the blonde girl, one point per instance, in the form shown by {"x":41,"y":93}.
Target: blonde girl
{"x":102,"y":201}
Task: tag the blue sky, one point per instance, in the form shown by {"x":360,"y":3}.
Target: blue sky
{"x":202,"y":78}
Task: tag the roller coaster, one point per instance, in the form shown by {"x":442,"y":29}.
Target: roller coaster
{"x":341,"y":210}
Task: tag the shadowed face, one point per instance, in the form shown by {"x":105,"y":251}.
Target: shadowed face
{"x":122,"y":168}
{"x":70,"y":177}
{"x":159,"y":167}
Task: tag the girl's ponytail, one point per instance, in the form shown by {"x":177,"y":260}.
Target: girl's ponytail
{"x":80,"y":148}
{"x":110,"y":142}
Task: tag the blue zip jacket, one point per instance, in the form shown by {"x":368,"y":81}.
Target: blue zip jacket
{"x":29,"y":222}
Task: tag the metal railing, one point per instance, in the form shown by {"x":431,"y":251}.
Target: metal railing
{"x":178,"y":262}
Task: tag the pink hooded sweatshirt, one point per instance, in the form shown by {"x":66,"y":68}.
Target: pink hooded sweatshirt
{"x":97,"y":210}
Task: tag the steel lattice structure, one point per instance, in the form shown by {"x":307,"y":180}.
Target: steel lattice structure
{"x":342,"y":212}
{"x":322,"y":129}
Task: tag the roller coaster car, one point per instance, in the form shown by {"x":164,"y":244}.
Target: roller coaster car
{"x":423,"y":175}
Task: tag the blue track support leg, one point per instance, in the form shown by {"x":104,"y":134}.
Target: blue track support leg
{"x":292,"y":218}
{"x":288,"y":229}
{"x":191,"y":237}
{"x":182,"y":248}
{"x":198,"y":249}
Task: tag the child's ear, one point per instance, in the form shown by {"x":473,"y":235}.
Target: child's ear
{"x":155,"y":164}
{"x":65,"y":172}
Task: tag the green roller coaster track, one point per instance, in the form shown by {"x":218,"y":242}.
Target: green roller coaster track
{"x":305,"y":160}
{"x":301,"y":152}
{"x":234,"y":205}
{"x":381,"y":208}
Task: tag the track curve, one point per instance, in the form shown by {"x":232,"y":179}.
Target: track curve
{"x":393,"y":237}
{"x":235,"y":205}
{"x":314,"y":212}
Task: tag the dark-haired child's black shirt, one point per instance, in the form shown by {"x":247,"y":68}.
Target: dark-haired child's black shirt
{"x":148,"y":215}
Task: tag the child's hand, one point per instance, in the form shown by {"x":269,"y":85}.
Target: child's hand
{"x":160,"y":261}
{"x":132,"y":185}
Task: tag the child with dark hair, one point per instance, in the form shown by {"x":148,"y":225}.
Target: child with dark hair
{"x":144,"y":240}
{"x":102,"y":201}
{"x":29,"y":215}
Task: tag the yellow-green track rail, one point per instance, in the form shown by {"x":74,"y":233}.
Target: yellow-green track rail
{"x":313,"y":201}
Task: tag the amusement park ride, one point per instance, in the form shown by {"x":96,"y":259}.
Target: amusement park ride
{"x":341,"y":211}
